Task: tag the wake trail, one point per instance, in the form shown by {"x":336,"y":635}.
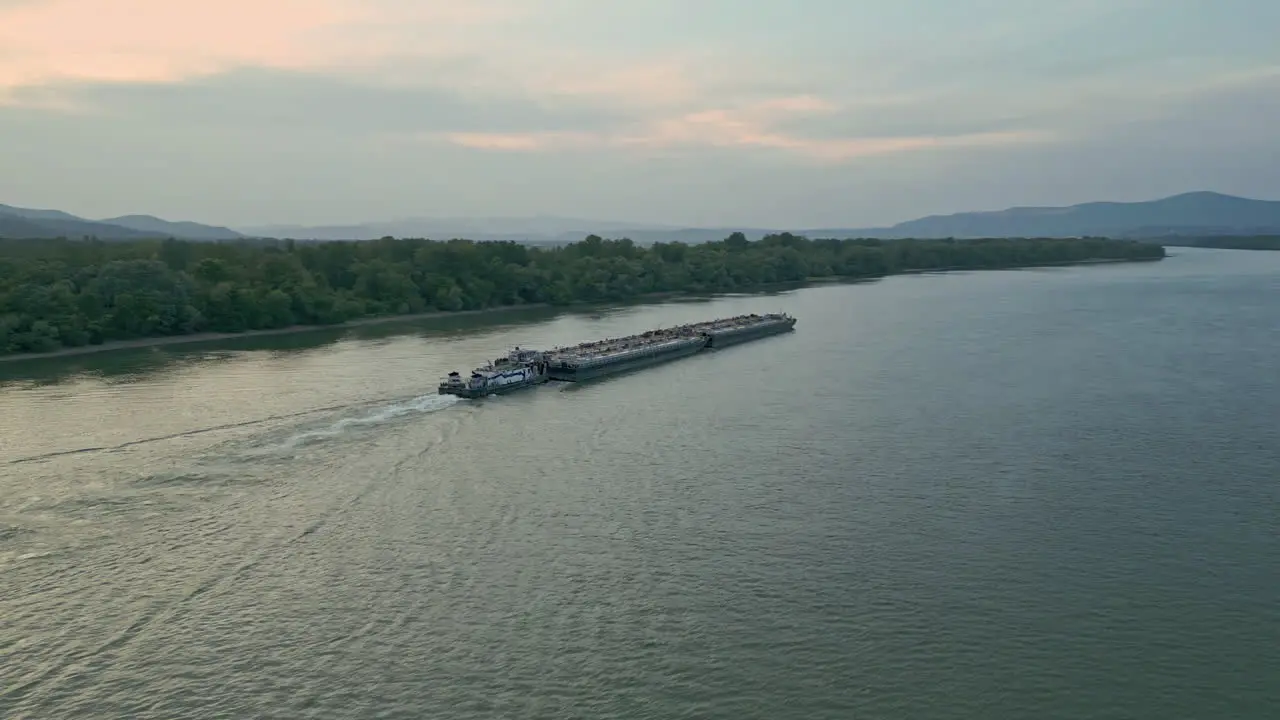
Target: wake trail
{"x":424,"y":403}
{"x":415,"y":406}
{"x":144,"y":620}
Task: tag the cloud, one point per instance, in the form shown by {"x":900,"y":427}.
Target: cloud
{"x":345,"y":110}
{"x":825,"y":81}
{"x":50,"y":42}
{"x":474,"y":47}
{"x":751,"y":126}
{"x":58,"y":54}
{"x":432,"y":70}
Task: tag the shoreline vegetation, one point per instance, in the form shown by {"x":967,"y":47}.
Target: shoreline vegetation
{"x":202,"y":337}
{"x":71,"y":297}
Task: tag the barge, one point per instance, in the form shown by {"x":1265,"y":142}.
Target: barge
{"x":605,"y":357}
{"x":524,"y":368}
{"x":731,"y":331}
{"x":519,"y":369}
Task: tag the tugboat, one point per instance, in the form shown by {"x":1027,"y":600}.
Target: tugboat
{"x":518,"y":369}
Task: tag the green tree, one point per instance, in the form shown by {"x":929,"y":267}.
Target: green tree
{"x":61,"y":293}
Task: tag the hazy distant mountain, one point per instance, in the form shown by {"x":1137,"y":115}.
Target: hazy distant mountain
{"x":1195,"y":213}
{"x":16,"y":222}
{"x":541,"y":228}
{"x":189,"y":230}
{"x":1189,"y":214}
{"x":55,"y":223}
{"x":693,"y":236}
{"x":13,"y":226}
{"x":33,"y":214}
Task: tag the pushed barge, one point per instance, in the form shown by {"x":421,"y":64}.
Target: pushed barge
{"x":731,"y":331}
{"x":519,"y":369}
{"x":593,"y":359}
{"x":523,"y":368}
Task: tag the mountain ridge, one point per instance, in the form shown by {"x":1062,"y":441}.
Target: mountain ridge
{"x":39,"y":223}
{"x":177,"y":228}
{"x":1195,"y":212}
{"x":1201,"y":212}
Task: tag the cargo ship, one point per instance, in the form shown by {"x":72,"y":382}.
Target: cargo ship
{"x":524,"y":368}
{"x":731,"y":331}
{"x":605,"y":357}
{"x":519,"y":369}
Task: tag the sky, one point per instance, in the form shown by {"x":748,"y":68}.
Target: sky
{"x":769,"y":113}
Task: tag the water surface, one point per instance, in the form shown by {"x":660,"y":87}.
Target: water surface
{"x":1047,"y":493}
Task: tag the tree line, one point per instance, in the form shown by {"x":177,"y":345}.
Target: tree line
{"x":69,"y":293}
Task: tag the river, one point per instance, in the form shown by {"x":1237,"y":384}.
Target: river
{"x":1044,"y":493}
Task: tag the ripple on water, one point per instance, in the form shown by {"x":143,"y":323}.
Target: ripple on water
{"x":984,"y":496}
{"x":12,"y":532}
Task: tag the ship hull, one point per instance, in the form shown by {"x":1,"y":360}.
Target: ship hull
{"x":623,"y":365}
{"x":724,"y":338}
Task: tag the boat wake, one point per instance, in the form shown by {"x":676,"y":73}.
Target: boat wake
{"x":383,"y":411}
{"x":368,"y":419}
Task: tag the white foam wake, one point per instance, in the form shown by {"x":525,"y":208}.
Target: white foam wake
{"x":369,"y":419}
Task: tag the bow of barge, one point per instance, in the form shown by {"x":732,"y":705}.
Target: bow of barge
{"x":742,"y":328}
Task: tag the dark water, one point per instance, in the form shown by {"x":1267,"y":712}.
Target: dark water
{"x":1036,"y":494}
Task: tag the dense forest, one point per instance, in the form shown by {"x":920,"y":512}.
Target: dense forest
{"x":68,"y":293}
{"x":1228,"y":242}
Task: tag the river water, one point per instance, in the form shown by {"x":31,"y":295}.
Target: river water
{"x":1023,"y":494}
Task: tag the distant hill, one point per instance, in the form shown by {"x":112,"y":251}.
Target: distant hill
{"x":1203,"y":214}
{"x":1195,"y":213}
{"x":13,"y":226}
{"x":55,"y":223}
{"x":539,"y":228}
{"x":28,"y":223}
{"x":189,"y":230}
{"x":33,"y":214}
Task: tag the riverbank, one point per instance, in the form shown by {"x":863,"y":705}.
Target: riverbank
{"x":290,"y":330}
{"x":166,"y":340}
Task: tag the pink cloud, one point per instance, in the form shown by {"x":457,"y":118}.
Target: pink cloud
{"x":796,"y":104}
{"x":523,"y":142}
{"x":47,"y":42}
{"x":751,"y":126}
{"x":692,"y":97}
{"x":51,"y":46}
{"x":58,"y":44}
{"x":675,"y":79}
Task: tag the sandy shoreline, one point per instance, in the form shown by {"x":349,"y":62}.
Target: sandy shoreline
{"x":386,"y":319}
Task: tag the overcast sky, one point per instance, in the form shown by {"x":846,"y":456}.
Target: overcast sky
{"x":783,"y":113}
